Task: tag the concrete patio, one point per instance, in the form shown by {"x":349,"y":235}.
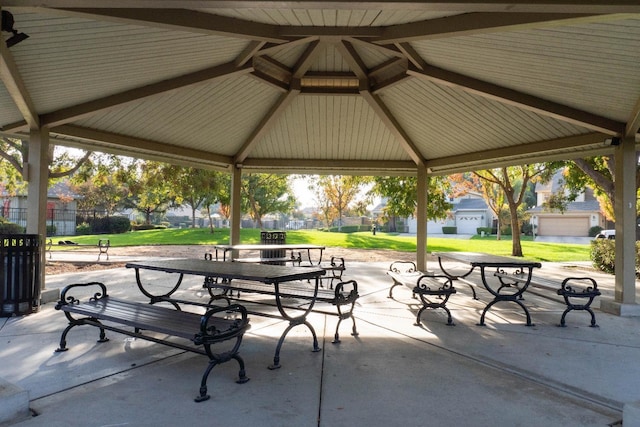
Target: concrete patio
{"x":394,"y":373}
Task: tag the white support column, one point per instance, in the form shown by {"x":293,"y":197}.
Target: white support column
{"x":37,"y":175}
{"x":236,"y":207}
{"x":624,"y":302}
{"x":421,"y":218}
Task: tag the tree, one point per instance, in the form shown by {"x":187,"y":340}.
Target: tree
{"x":151,"y":188}
{"x":339,"y":192}
{"x":197,"y":188}
{"x":597,"y":173}
{"x":514,"y":181}
{"x":402,"y":197}
{"x":14,"y":153}
{"x":97,"y":182}
{"x":265,"y":194}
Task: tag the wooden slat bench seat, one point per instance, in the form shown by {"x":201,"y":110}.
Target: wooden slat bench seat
{"x":139,"y":319}
{"x":343,"y":297}
{"x":577,"y":292}
{"x":424,"y":285}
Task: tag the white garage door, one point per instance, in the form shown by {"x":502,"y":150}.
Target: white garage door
{"x":468,"y":224}
{"x":564,"y":226}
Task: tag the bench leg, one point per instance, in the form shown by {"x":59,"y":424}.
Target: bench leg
{"x":588,"y":309}
{"x":216,"y":359}
{"x":428,"y":304}
{"x":341,"y":317}
{"x":63,"y":337}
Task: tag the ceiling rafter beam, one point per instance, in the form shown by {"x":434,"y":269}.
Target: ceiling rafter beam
{"x":89,"y":108}
{"x":633,"y":124}
{"x":138,"y":145}
{"x":270,"y":80}
{"x":302,"y":66}
{"x":385,"y":50}
{"x":248,"y":53}
{"x":590,"y":141}
{"x":390,"y":167}
{"x":518,"y":99}
{"x":477,"y":23}
{"x":184,"y":20}
{"x":462,"y":6}
{"x":265,"y":124}
{"x":10,"y":76}
{"x":349,"y":54}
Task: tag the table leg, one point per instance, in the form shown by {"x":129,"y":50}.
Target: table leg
{"x":293,"y":322}
{"x":498,"y":296}
{"x":152,"y":296}
{"x":458,"y":276}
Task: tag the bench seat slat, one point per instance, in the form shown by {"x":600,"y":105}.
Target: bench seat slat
{"x":145,"y":316}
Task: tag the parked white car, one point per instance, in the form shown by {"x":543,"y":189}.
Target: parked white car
{"x":606,"y":234}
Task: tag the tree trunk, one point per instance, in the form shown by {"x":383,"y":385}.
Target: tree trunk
{"x":515,"y":231}
{"x":211,"y":228}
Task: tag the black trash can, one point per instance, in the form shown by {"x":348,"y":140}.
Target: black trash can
{"x":273,"y":238}
{"x":20,"y":277}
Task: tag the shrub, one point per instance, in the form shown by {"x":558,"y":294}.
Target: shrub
{"x":487,"y":230}
{"x":603,"y":254}
{"x":7,"y":227}
{"x":110,"y":225}
{"x":83,"y":228}
{"x":449,"y":230}
{"x":593,"y":231}
{"x":51,"y":230}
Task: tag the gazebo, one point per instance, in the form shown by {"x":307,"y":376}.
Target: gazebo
{"x":418,"y":88}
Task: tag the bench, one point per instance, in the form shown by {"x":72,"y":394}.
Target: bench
{"x":135,"y":319}
{"x":276,"y":260}
{"x":343,"y":297}
{"x":102,"y":245}
{"x":577,"y":292}
{"x":423,"y":284}
{"x":334,"y":268}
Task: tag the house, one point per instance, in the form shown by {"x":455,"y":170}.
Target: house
{"x":578,"y":218}
{"x":467,"y":214}
{"x":61,"y":209}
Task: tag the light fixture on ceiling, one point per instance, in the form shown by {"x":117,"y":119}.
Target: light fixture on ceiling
{"x":614,"y":141}
{"x":7,"y":26}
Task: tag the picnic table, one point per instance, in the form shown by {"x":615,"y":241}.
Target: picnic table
{"x":231,"y":272}
{"x":501,"y":290}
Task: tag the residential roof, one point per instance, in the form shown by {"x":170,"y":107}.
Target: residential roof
{"x":326,"y":86}
{"x":586,"y":206}
{"x":467,"y":204}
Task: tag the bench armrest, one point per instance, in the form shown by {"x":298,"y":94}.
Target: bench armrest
{"x":345,"y":292}
{"x":210,"y":329}
{"x":403,"y":267}
{"x":68,"y":299}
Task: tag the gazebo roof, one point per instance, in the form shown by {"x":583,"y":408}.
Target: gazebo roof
{"x":325,"y":86}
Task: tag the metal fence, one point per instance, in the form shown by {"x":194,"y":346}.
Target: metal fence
{"x":60,"y":222}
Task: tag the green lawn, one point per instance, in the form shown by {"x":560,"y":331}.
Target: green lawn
{"x":556,"y":252}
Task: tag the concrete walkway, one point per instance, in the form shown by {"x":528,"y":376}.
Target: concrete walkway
{"x":394,"y":373}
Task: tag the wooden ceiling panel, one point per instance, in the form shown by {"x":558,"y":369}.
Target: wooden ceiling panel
{"x":217,"y":117}
{"x":589,"y":67}
{"x":329,"y":127}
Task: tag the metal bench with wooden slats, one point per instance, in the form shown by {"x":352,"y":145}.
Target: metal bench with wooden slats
{"x":423,"y":284}
{"x":578,"y":293}
{"x":343,"y":296}
{"x":216,"y":325}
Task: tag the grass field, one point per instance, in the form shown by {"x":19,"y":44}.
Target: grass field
{"x":540,"y":251}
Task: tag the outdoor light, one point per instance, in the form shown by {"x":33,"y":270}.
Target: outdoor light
{"x":7,"y":25}
{"x":615,"y":141}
